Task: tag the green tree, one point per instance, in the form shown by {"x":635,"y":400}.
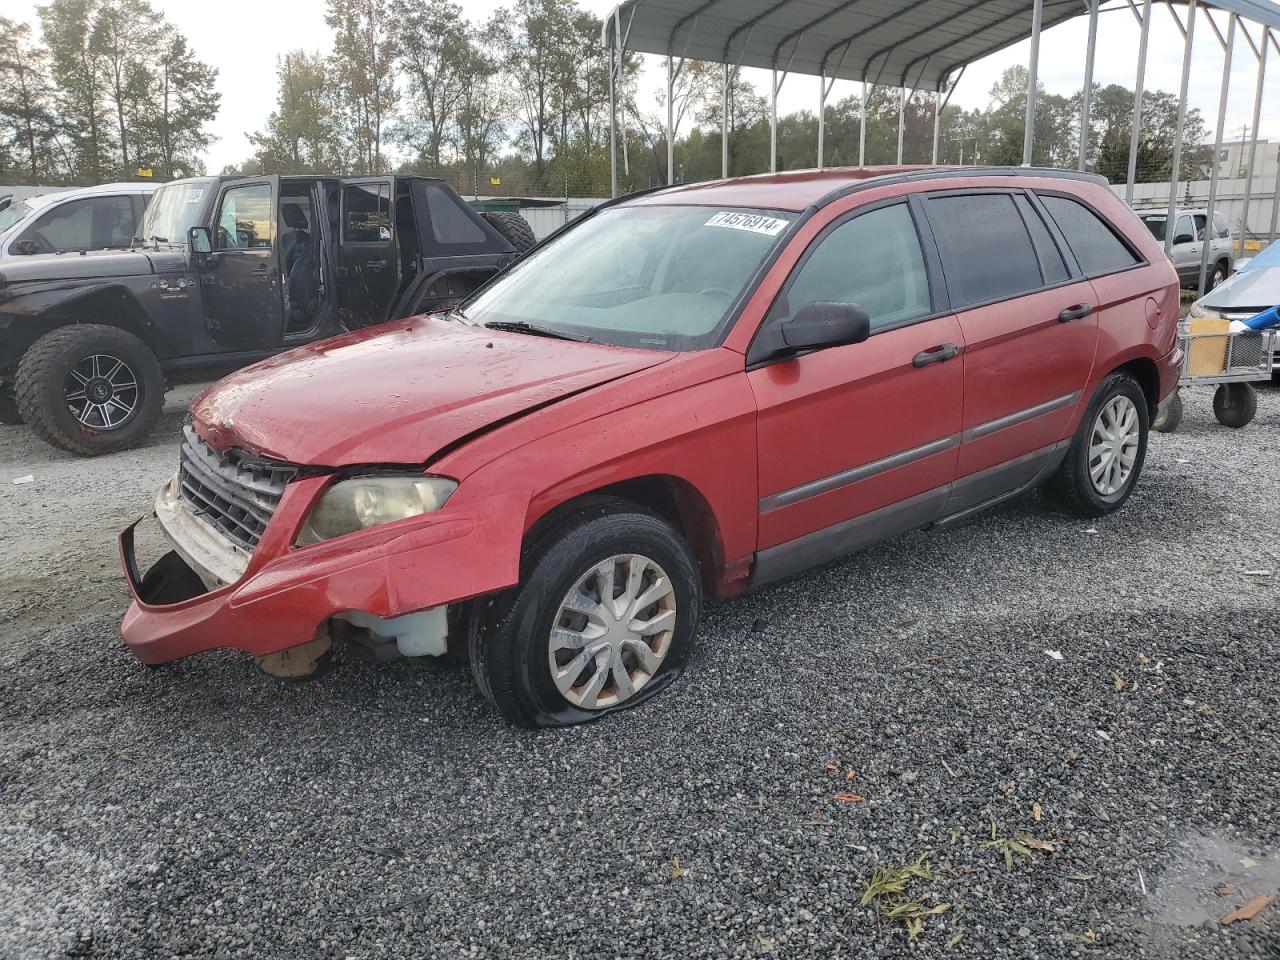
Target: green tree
{"x":124,"y":36}
{"x":27,"y":121}
{"x":303,"y":134}
{"x":364,"y":59}
{"x":183,"y":102}
{"x":78,"y":74}
{"x":436,"y":56}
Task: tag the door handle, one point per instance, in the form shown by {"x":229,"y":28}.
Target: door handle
{"x":1078,"y":312}
{"x":375,"y":264}
{"x":935,"y":355}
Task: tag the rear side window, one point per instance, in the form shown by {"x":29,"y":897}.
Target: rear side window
{"x":367,"y":213}
{"x":1096,"y":246}
{"x":873,"y":260}
{"x":451,"y":223}
{"x":986,"y":250}
{"x":1220,"y":226}
{"x":1052,"y":265}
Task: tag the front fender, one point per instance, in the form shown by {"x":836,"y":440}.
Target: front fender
{"x":30,"y":310}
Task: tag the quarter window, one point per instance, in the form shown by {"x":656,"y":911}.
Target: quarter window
{"x":1095,"y":244}
{"x":986,"y":250}
{"x":367,"y":217}
{"x":873,"y":260}
{"x":245,"y":218}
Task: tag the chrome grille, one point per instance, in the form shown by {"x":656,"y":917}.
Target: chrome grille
{"x":234,"y":491}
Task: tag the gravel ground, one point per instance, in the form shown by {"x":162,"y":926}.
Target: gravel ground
{"x":206,"y":810}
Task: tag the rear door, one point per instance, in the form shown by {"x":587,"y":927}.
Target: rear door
{"x":1186,"y":248}
{"x":1030,"y":334}
{"x":368,"y":263}
{"x":244,"y":309}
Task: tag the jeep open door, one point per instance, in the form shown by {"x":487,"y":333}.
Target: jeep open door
{"x":368,"y":258}
{"x":243,"y":301}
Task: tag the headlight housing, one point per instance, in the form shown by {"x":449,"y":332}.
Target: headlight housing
{"x":1199,"y":310}
{"x":368,"y":501}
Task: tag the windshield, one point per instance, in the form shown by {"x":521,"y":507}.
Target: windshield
{"x":173,"y":209}
{"x":662,"y":277}
{"x":13,"y":213}
{"x":1270,"y":257}
{"x":1157,"y":225}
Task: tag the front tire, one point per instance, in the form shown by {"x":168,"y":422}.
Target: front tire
{"x":603,"y":618}
{"x":1106,"y":455}
{"x":1217,"y":275}
{"x":90,"y":389}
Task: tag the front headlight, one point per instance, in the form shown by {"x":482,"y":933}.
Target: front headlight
{"x":1199,"y":310}
{"x":351,"y":505}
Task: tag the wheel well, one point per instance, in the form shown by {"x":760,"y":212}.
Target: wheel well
{"x":679,"y":503}
{"x":112,"y":307}
{"x":1144,"y":371}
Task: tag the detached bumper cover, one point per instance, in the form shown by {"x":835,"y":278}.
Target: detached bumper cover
{"x":286,"y":593}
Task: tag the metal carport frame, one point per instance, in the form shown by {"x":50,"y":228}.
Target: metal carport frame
{"x":913,"y":45}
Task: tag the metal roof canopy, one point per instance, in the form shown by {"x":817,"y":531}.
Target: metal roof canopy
{"x":899,"y":43}
{"x":920,"y":44}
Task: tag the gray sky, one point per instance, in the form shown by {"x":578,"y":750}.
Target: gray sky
{"x":243,"y":38}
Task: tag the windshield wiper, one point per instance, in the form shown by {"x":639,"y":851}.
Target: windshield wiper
{"x":519,"y":326}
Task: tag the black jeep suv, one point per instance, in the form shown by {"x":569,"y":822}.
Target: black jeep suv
{"x":228,"y":271}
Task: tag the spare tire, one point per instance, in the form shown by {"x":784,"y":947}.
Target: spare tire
{"x":514,"y":228}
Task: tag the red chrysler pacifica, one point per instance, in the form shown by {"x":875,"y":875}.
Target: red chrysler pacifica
{"x":685,"y":393}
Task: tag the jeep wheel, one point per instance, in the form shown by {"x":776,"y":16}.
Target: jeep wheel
{"x":1105,"y":458}
{"x":602,"y":620}
{"x":90,"y":389}
{"x":514,"y":228}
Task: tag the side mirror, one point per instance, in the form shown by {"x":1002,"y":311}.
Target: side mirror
{"x":818,"y":325}
{"x":198,"y":240}
{"x":1184,"y":238}
{"x":26,"y":247}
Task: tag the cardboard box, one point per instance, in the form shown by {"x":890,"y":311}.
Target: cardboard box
{"x":1207,"y":354}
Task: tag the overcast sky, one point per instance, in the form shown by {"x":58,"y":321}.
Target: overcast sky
{"x":243,"y":38}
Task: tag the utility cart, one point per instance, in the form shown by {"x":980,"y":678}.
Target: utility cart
{"x":1215,"y":356}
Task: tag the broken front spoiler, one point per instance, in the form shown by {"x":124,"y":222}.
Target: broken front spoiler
{"x":287,"y":593}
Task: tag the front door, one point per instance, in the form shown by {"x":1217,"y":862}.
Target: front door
{"x":368,"y":264}
{"x":1186,"y":248}
{"x":1031,"y":329}
{"x":858,"y":442}
{"x":244,"y":310}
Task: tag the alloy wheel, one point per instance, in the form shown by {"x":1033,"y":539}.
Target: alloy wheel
{"x":102,"y":392}
{"x":612,"y":631}
{"x":1113,"y":445}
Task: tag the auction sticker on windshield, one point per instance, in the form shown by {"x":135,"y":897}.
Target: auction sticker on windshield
{"x":756,"y":223}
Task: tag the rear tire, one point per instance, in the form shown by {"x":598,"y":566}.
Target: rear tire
{"x":515,"y":638}
{"x":1235,"y":404}
{"x":1169,"y":417}
{"x":1076,"y":485}
{"x":56,"y":384}
{"x":514,"y":228}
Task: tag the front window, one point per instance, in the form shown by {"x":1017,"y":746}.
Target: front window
{"x":662,"y":277}
{"x":174,"y":209}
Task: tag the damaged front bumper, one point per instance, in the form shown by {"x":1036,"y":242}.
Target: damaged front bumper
{"x":395,"y":580}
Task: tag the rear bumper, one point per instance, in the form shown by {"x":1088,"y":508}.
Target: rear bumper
{"x":287,"y":593}
{"x":1169,"y":368}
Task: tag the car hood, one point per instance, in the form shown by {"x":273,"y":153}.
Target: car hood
{"x":75,"y":266}
{"x":1245,"y":290}
{"x":399,"y":393}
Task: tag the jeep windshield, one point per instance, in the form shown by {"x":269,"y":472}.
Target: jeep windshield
{"x":175,"y":208}
{"x":662,"y":277}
